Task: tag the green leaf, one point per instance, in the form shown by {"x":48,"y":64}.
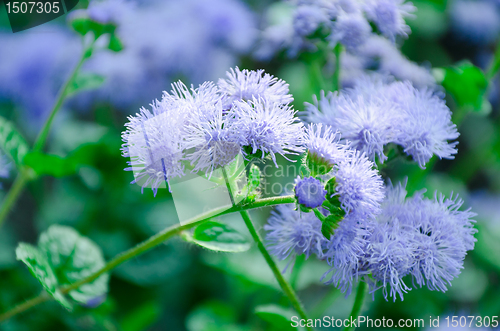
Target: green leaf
{"x":64,"y":257}
{"x":52,"y":165}
{"x":74,"y":257}
{"x":467,"y":83}
{"x":82,"y":24}
{"x":39,"y":266}
{"x":329,"y":225}
{"x":218,"y":237}
{"x":85,"y":81}
{"x":251,"y":190}
{"x":115,"y":44}
{"x":11,"y":142}
{"x":278,"y":317}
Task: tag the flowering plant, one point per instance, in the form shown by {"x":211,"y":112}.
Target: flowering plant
{"x":358,"y":146}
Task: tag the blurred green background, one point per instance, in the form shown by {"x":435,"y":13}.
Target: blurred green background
{"x":178,"y":286}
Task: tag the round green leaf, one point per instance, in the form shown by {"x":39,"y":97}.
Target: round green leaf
{"x":219,"y":237}
{"x":40,"y":268}
{"x":74,"y":257}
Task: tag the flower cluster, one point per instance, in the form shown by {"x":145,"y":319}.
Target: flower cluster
{"x":378,"y":111}
{"x":339,"y":21}
{"x":425,"y":239}
{"x":379,"y":55}
{"x":205,"y":128}
{"x":344,"y":186}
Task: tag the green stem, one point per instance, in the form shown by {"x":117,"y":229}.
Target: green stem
{"x":24,"y":174}
{"x":285,"y":286}
{"x":317,"y":73}
{"x":13,"y":194}
{"x":495,"y":65}
{"x":61,"y":97}
{"x":290,"y":293}
{"x":337,"y":83}
{"x":297,"y":266}
{"x":151,"y":243}
{"x":358,"y":303}
{"x":43,"y":297}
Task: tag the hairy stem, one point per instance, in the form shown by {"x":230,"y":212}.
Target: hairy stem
{"x":285,"y":286}
{"x":61,"y":97}
{"x":358,"y":303}
{"x":24,"y":174}
{"x":149,"y":244}
{"x":43,"y":297}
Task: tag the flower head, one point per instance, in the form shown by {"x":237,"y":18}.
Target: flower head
{"x":344,"y":252}
{"x":308,"y":18}
{"x":153,"y":143}
{"x":351,"y":30}
{"x":427,"y":239}
{"x":268,"y":127}
{"x":291,"y":232}
{"x":378,"y":111}
{"x":323,"y":148}
{"x":444,"y":235}
{"x":361,"y":116}
{"x":246,"y":85}
{"x":310,"y":192}
{"x":209,"y":141}
{"x":358,"y":186}
{"x":389,"y":16}
{"x":426,"y":124}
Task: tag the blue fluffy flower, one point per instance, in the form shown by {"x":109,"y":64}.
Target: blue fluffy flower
{"x":362,"y":117}
{"x":389,"y":16}
{"x":344,"y":252}
{"x":351,"y":30}
{"x":307,"y":19}
{"x":378,"y":111}
{"x":323,"y":148}
{"x":310,"y":192}
{"x":154,"y":145}
{"x":208,"y":138}
{"x":444,"y":235}
{"x":426,"y":125}
{"x":427,"y":239}
{"x":246,"y":85}
{"x":268,"y":127}
{"x":291,"y":232}
{"x":358,"y":186}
